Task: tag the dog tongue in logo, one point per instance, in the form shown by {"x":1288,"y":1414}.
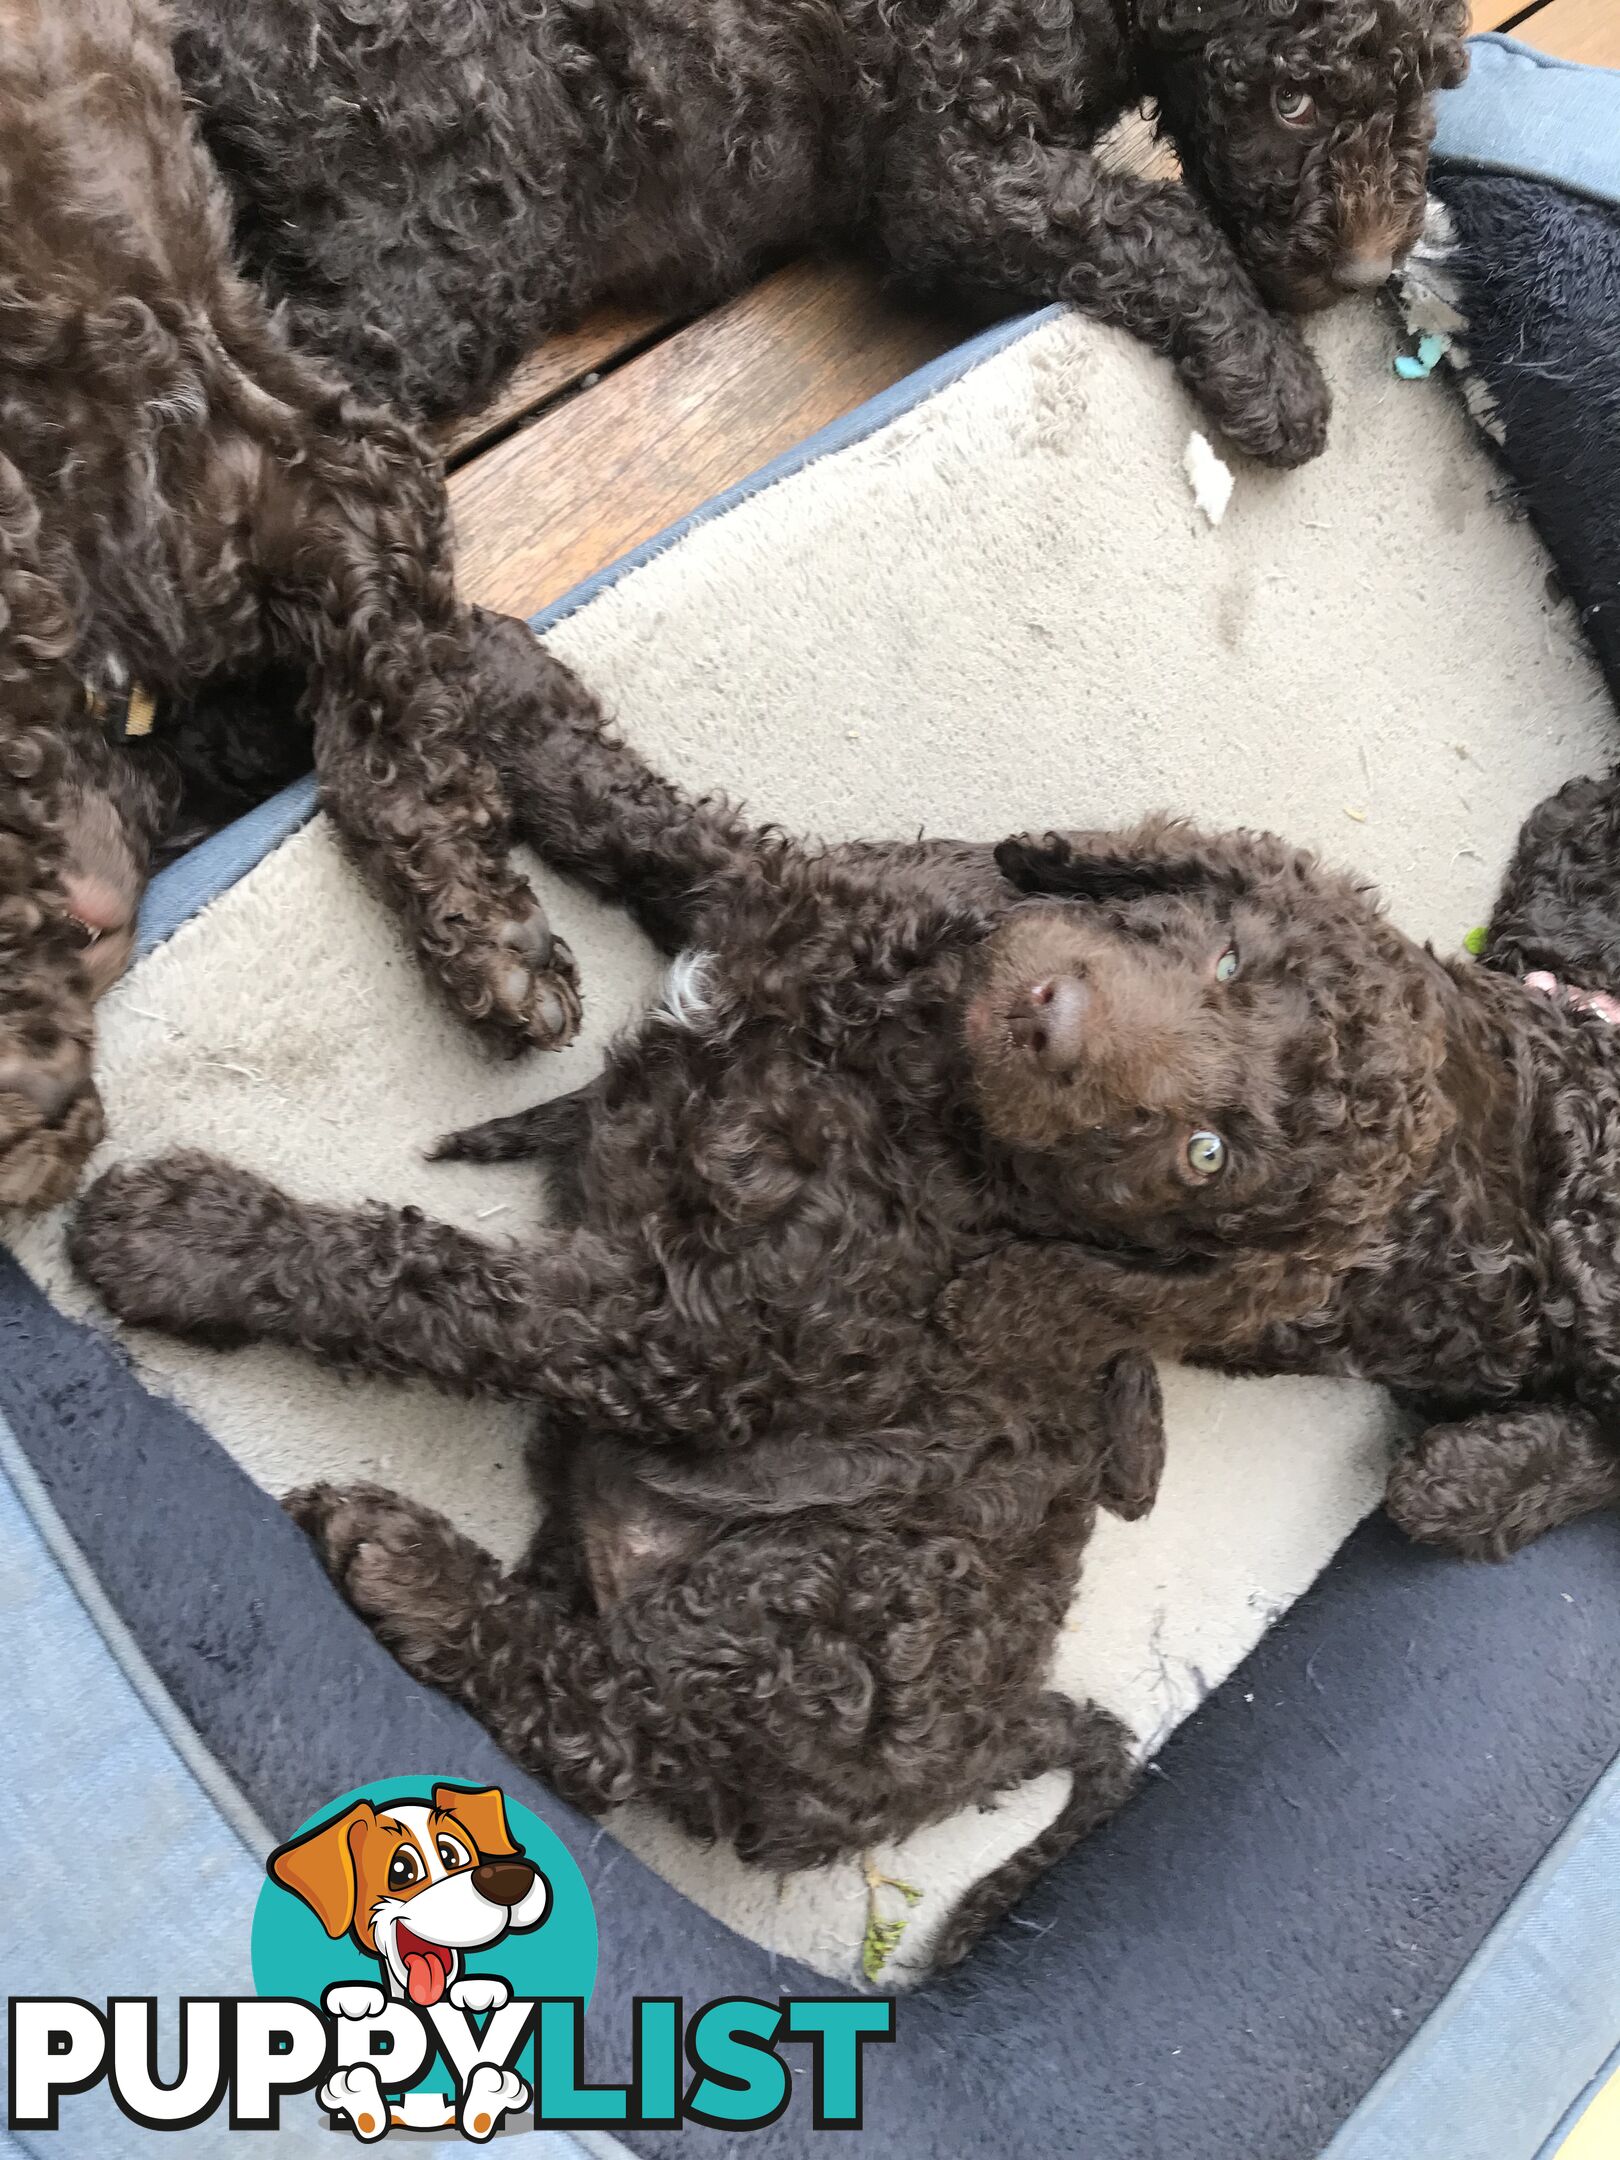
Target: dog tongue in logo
{"x":427,"y":1968}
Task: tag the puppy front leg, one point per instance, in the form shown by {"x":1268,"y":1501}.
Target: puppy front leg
{"x":202,"y":1248}
{"x":353,"y":536}
{"x":1040,"y":223}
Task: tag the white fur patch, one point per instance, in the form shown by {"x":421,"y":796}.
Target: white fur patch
{"x":687,"y":1001}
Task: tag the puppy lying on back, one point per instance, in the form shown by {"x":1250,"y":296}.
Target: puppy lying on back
{"x":918,"y":1151}
{"x":803,"y":1562}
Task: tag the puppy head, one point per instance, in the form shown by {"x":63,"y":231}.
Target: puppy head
{"x":1305,"y":126}
{"x":417,"y":1882}
{"x":1199,"y":1047}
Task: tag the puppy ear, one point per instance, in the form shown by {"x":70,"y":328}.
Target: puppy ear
{"x":481,"y":1812}
{"x":1130,"y":1410}
{"x":1160,"y":855}
{"x":319,"y":1867}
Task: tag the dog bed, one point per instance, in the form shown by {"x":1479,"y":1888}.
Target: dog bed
{"x":1519,"y":276}
{"x":988,"y":602}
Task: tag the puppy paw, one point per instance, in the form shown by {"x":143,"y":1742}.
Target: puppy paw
{"x":522,"y":986}
{"x":344,"y":1522}
{"x":356,"y":2095}
{"x":354,"y":1999}
{"x":50,"y":1122}
{"x":403,"y":1568}
{"x":480,"y":1992}
{"x":1275,"y":407}
{"x":491,"y":2095}
{"x":160,"y":1240}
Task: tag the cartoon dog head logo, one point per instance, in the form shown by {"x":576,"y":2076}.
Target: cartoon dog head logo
{"x":417,"y":1883}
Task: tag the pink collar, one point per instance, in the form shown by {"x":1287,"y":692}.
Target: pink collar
{"x":1578,"y":1000}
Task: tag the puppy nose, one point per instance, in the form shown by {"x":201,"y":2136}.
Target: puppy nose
{"x":503,"y":1882}
{"x":1049,"y":1022}
{"x":1364,"y":269}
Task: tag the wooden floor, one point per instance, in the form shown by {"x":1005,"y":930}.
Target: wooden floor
{"x":614,"y":431}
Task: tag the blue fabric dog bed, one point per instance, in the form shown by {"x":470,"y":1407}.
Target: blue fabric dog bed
{"x":1320,"y":1862}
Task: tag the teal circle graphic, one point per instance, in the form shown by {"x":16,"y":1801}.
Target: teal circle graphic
{"x":292,"y":1954}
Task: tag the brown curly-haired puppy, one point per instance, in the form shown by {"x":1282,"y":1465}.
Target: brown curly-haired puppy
{"x":430,"y":184}
{"x":183,"y":501}
{"x":803,"y":1561}
{"x":1295,"y":1141}
{"x":1217,"y":1106}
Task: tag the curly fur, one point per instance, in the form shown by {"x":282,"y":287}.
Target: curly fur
{"x":802,"y":1563}
{"x":429,"y":191}
{"x":1419,"y":1184}
{"x":184,"y":502}
{"x":849,"y":1241}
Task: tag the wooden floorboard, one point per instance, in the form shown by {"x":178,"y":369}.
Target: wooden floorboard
{"x":555,"y":480}
{"x":597,"y":474}
{"x":1492,"y":14}
{"x":1584,"y":30}
{"x":557,"y":364}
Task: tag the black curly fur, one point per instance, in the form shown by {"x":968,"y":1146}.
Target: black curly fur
{"x":430,"y":189}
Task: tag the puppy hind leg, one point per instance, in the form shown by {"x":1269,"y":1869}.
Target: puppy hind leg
{"x":1485,"y":1486}
{"x":543,"y":1684}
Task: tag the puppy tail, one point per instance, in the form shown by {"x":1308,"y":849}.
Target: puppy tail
{"x":1102,"y":1767}
{"x":553,"y":1130}
{"x":502,"y":1139}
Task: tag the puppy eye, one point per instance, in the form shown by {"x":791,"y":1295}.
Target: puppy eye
{"x":1227,"y":965}
{"x":1294,"y":108}
{"x":403,"y":1869}
{"x":452,"y":1854}
{"x":1206,"y":1154}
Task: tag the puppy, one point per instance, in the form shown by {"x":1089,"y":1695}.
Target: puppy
{"x":1292,"y":1140}
{"x":803,"y":1562}
{"x":1153,"y":1090}
{"x":184,"y":502}
{"x":431,"y":196}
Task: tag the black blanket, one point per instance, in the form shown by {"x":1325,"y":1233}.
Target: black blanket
{"x":1539,"y":272}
